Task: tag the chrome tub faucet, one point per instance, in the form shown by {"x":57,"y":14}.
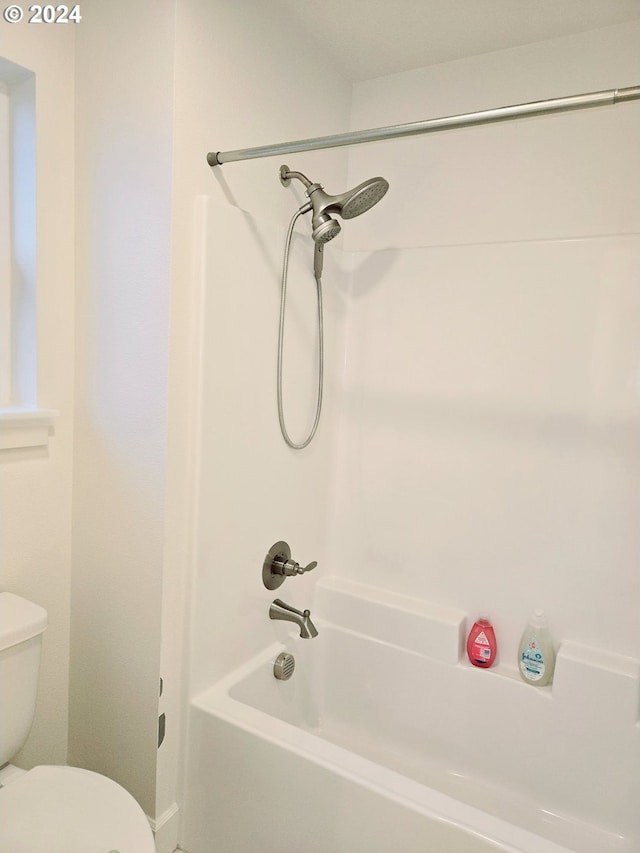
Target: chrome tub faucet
{"x":301,"y":618}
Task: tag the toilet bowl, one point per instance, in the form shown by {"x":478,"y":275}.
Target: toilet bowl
{"x":52,"y":809}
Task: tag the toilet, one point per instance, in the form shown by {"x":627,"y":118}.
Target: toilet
{"x":51,"y":809}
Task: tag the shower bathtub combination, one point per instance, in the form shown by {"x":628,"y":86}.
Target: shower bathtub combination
{"x":386,"y":738}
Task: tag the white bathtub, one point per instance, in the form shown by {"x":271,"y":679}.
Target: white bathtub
{"x":373,"y":748}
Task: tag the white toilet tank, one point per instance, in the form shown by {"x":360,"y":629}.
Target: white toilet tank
{"x":22,"y":624}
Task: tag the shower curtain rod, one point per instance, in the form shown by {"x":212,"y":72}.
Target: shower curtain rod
{"x":433,"y":125}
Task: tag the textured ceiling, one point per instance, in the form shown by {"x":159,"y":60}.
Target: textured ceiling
{"x":372,"y":38}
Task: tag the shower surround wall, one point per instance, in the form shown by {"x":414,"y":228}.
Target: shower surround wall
{"x":489,"y":456}
{"x":253,"y":490}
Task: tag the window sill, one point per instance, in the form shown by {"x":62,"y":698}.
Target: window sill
{"x":25,"y":427}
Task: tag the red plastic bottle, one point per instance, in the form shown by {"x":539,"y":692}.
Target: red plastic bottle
{"x":481,"y":644}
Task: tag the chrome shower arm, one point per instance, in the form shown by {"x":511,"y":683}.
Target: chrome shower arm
{"x":286,"y":174}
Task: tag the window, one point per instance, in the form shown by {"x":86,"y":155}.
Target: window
{"x":5,"y":249}
{"x":22,"y":423}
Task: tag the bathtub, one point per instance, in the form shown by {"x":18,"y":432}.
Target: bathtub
{"x":373,"y":747}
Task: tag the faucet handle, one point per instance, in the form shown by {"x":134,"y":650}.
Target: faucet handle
{"x":278,"y":565}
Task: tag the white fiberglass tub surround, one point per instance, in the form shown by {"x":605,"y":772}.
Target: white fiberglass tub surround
{"x":373,"y":746}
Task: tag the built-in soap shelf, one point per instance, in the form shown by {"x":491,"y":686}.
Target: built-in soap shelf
{"x":411,"y":623}
{"x":592,"y":679}
{"x":503,"y":671}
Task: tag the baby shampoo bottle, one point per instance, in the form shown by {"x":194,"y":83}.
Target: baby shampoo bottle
{"x":481,"y":644}
{"x":536,"y":655}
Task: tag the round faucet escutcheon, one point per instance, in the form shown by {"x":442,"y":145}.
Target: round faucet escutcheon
{"x":278,"y":566}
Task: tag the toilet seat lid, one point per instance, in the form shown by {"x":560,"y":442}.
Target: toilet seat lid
{"x":69,"y":810}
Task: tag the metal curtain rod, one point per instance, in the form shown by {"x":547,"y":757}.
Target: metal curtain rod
{"x":433,"y":125}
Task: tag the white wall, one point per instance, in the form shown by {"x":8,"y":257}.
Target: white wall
{"x":124,"y":148}
{"x":35,"y":484}
{"x":490,"y":454}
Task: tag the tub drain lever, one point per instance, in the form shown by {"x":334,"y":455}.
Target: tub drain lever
{"x":278,"y":565}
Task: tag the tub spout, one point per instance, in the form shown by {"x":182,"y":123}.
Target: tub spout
{"x":301,"y":618}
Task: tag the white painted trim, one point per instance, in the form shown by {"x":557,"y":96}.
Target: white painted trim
{"x":25,"y":427}
{"x":165,"y":829}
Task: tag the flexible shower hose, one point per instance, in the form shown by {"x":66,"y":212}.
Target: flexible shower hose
{"x":283,"y":300}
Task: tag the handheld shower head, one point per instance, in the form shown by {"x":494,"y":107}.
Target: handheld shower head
{"x":325,"y":228}
{"x":347,"y":205}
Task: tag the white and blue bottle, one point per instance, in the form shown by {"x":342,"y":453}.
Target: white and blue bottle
{"x":536,"y":655}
